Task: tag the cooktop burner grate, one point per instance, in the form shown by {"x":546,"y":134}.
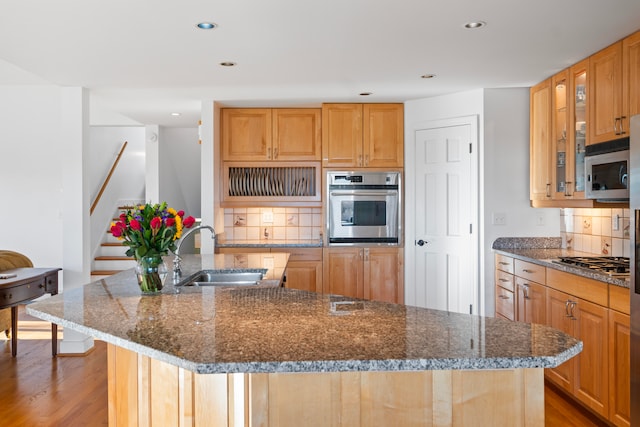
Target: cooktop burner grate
{"x":611,"y":265}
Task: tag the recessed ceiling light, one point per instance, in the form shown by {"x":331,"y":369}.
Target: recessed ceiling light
{"x":475,"y":24}
{"x":206,"y":25}
{"x":176,"y":114}
{"x":366,"y":93}
{"x":228,"y":64}
{"x":427,"y":76}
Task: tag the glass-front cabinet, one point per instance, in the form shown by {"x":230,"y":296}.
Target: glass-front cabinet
{"x":569,"y":109}
{"x":579,"y":115}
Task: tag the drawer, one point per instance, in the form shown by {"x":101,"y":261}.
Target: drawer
{"x":619,"y":299}
{"x":505,"y":305}
{"x":22,"y":293}
{"x":504,"y":280}
{"x":504,"y":263}
{"x":301,"y":254}
{"x":51,"y":284}
{"x":581,"y":287}
{"x":530,"y":271}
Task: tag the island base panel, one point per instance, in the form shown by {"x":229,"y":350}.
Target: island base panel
{"x":148,"y":392}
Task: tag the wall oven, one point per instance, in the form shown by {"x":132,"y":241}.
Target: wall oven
{"x":363,"y":207}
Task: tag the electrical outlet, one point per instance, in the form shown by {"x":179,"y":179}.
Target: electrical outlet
{"x":267,"y":217}
{"x":540,"y":218}
{"x":499,"y":218}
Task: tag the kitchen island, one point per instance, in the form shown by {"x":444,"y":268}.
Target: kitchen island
{"x":267,"y":355}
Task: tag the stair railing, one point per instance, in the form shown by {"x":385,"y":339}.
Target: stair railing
{"x":106,"y":180}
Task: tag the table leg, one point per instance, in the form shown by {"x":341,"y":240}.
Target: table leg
{"x":14,"y":330}
{"x":54,"y":339}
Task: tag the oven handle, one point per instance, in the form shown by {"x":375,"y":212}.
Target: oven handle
{"x":364,"y":193}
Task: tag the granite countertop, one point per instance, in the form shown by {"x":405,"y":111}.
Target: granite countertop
{"x":267,"y":243}
{"x":543,"y":251}
{"x":274,"y":329}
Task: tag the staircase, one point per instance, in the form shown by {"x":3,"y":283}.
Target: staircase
{"x":111,"y":258}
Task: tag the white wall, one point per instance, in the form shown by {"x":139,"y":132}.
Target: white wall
{"x":31,"y":176}
{"x":503,"y":170}
{"x":127,"y":181}
{"x":180,"y":173}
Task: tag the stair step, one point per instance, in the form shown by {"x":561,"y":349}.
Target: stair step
{"x":104,"y":272}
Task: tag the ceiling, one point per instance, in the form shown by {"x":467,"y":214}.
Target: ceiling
{"x":144,"y":59}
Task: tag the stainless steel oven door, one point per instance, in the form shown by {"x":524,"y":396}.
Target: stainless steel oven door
{"x":363,"y":216}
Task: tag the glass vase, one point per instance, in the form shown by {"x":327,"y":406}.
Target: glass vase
{"x":151,"y":272}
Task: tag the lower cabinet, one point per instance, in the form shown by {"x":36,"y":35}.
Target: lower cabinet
{"x":592,"y":311}
{"x":370,"y":273}
{"x":304,"y":270}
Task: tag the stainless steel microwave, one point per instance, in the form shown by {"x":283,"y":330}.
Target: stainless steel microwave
{"x":607,"y":175}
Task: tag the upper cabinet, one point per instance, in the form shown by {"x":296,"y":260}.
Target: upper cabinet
{"x":362,"y":135}
{"x":605,"y":94}
{"x":588,"y":103}
{"x":263,"y":134}
{"x":540,"y":141}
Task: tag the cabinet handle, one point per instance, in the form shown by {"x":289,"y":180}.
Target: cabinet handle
{"x":569,"y":306}
{"x":567,"y":186}
{"x":504,"y":280}
{"x":525,"y":291}
{"x":366,"y":254}
{"x":366,"y":160}
{"x":622,"y":132}
{"x":503,"y":297}
{"x":359,"y":159}
{"x":615,"y":125}
{"x":528,"y":271}
{"x":548,"y":190}
{"x":503,"y":263}
{"x":269,"y":153}
{"x":275,"y":153}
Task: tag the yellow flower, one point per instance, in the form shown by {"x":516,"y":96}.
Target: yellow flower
{"x":178,"y":228}
{"x":172,"y":211}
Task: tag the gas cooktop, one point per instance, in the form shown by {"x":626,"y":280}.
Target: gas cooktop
{"x":615,"y":266}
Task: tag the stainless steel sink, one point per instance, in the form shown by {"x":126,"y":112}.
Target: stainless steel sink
{"x":223,"y":278}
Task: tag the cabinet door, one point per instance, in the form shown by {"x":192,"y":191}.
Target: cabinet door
{"x":605,"y":94}
{"x":591,"y":385}
{"x":296,"y":134}
{"x":619,"y":369}
{"x":383,"y":135}
{"x":561,"y":152}
{"x":505,"y":304}
{"x":246,"y":134}
{"x":578,"y":128}
{"x":540,"y":141}
{"x":342,"y":273}
{"x":383,"y":275}
{"x":531,"y":302}
{"x":630,"y":78}
{"x":557,"y":317}
{"x":304,"y":275}
{"x":342,"y":135}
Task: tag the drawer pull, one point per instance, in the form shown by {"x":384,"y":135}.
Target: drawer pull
{"x":503,"y":297}
{"x":528,"y":271}
{"x":503,"y":263}
{"x":504,"y":280}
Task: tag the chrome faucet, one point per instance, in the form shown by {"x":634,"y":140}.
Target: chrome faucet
{"x":177,"y":261}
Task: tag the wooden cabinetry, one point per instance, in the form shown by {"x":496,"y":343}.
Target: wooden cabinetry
{"x":304,"y":268}
{"x":370,"y":273}
{"x":631,"y":76}
{"x":505,"y":300}
{"x":605,"y":93}
{"x":590,"y":310}
{"x":262,"y":134}
{"x":362,"y":135}
{"x":619,"y":356}
{"x":540,"y":141}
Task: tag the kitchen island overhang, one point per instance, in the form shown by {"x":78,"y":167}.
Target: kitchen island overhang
{"x":271,"y":341}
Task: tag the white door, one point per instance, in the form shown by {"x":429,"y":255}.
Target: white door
{"x":445,"y":214}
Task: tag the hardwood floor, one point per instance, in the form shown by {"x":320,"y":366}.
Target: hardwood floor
{"x":39,"y":390}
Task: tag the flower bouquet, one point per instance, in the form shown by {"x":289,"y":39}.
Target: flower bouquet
{"x":150,"y":231}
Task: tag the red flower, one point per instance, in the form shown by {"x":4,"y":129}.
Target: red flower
{"x":116,"y":230}
{"x":188,"y":221}
{"x":156,"y":223}
{"x":180,"y":214}
{"x":135,"y":224}
{"x":123,"y":217}
{"x":169,"y":222}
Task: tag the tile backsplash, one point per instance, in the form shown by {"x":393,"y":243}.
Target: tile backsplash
{"x":598,"y":231}
{"x":273,"y":223}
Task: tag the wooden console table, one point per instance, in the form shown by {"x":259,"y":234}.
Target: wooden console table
{"x":21,"y":285}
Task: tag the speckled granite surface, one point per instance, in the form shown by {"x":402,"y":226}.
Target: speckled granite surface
{"x":269,"y":243}
{"x":541,"y":250}
{"x":273,"y":329}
